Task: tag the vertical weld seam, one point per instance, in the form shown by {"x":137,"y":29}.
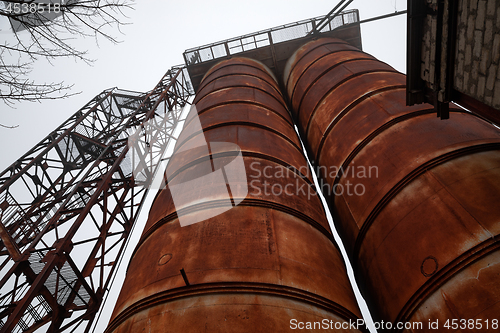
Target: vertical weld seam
{"x":210,"y":154}
{"x":228,"y":187}
{"x":450,"y":305}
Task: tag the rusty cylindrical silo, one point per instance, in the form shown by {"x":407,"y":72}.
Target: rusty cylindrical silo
{"x":270,"y":258}
{"x":421,"y":220}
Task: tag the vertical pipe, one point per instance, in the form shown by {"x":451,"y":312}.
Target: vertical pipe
{"x":268,"y":261}
{"x":416,"y":197}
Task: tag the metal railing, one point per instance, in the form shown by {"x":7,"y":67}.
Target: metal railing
{"x":267,"y":37}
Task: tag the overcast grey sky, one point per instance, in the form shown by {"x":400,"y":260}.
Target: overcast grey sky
{"x":160,"y":31}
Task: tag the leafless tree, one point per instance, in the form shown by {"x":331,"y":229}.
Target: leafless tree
{"x":46,"y":29}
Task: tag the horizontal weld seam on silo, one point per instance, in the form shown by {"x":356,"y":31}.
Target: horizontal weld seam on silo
{"x":243,"y":123}
{"x":333,"y":67}
{"x":250,"y":124}
{"x":299,"y":107}
{"x":410,"y":177}
{"x":444,"y":274}
{"x":344,"y":111}
{"x":204,"y":83}
{"x":239,"y":102}
{"x":252,"y":203}
{"x":192,"y":163}
{"x":271,"y":84}
{"x":326,"y":71}
{"x":231,"y":65}
{"x":336,"y":64}
{"x":239,"y":75}
{"x":244,"y":203}
{"x":377,"y":132}
{"x":278,"y":161}
{"x":245,"y":87}
{"x":346,"y":80}
{"x":296,"y":62}
{"x":384,"y":127}
{"x":244,"y":154}
{"x":259,"y":105}
{"x":421,"y":169}
{"x":226,"y":65}
{"x":381,"y":129}
{"x":232,"y":288}
{"x":260,"y":203}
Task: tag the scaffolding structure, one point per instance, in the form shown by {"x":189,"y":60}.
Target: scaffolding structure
{"x":68,"y":205}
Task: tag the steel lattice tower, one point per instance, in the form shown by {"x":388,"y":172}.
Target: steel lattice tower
{"x":68,"y":206}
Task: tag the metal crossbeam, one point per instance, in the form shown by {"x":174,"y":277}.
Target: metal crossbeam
{"x":68,"y":205}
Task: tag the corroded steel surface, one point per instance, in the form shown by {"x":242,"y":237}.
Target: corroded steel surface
{"x":422,"y":228}
{"x":255,"y":267}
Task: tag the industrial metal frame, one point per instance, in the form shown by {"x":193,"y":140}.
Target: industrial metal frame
{"x":68,"y":205}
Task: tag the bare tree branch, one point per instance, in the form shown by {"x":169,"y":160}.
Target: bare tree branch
{"x":48,"y":33}
{"x":9,"y":127}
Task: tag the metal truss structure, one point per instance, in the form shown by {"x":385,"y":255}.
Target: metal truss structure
{"x":68,"y":205}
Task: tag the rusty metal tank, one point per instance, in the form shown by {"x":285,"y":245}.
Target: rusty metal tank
{"x":416,"y":197}
{"x":269,"y":257}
